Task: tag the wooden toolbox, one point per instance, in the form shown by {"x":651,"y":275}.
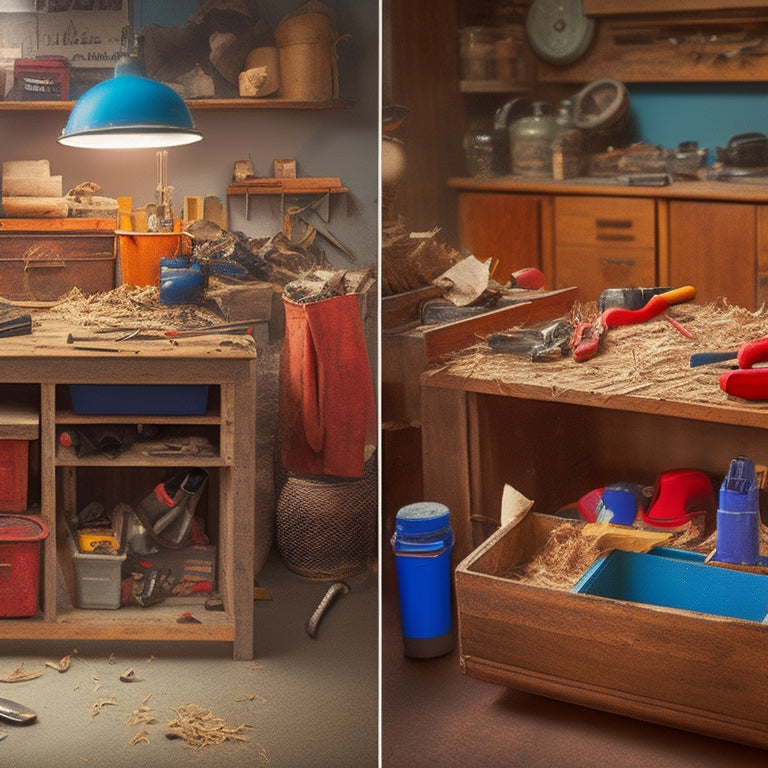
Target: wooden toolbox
{"x":679,"y":668}
{"x":44,"y":259}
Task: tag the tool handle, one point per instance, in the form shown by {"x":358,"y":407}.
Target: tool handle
{"x":616,"y":316}
{"x":748,"y":384}
{"x":752,"y":352}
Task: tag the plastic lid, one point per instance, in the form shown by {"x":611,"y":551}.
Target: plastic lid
{"x":21,"y":528}
{"x":422,"y":517}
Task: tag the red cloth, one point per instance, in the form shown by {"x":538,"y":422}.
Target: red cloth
{"x":327,"y":409}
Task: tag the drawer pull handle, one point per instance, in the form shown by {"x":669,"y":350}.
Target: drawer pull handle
{"x":619,"y":262}
{"x":614,"y":223}
{"x":44,"y":264}
{"x":614,"y":237}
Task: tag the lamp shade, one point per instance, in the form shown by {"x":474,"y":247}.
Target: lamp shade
{"x":128,"y":111}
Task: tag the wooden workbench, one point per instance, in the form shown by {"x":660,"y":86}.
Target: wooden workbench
{"x":39,"y":368}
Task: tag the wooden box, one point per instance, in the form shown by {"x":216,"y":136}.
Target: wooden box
{"x":42,"y":260}
{"x":683,"y":669}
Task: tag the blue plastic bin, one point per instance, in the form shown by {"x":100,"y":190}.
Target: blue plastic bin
{"x":679,"y":579}
{"x":139,"y":399}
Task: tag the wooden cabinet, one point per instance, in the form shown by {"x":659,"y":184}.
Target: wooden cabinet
{"x":596,"y":234}
{"x":504,"y":228}
{"x":604,"y":242}
{"x":714,"y":246}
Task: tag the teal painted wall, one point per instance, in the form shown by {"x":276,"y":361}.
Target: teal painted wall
{"x":708,"y":113}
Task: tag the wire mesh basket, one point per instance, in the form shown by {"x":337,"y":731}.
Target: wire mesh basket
{"x":326,"y":526}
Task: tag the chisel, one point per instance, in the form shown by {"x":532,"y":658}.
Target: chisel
{"x":15,"y":713}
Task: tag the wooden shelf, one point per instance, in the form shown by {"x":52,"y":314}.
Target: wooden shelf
{"x":196,"y":104}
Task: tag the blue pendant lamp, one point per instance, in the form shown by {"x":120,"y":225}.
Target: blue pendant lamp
{"x":129,"y":111}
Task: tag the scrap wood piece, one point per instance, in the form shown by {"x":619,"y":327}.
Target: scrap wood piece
{"x":141,"y":736}
{"x":129,"y":676}
{"x":199,"y":728}
{"x":143,"y":714}
{"x":19,"y":675}
{"x":97,"y":706}
{"x":609,"y":536}
{"x":60,"y":666}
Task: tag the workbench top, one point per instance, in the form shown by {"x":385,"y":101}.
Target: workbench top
{"x":643,"y":368}
{"x":755,"y":191}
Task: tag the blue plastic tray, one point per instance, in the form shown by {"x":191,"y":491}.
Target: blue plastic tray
{"x":674,"y":578}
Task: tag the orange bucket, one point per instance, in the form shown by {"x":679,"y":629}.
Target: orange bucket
{"x":140,"y":254}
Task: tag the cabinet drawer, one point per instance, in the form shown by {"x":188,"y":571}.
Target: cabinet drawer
{"x":594,"y":270}
{"x":605,"y":222}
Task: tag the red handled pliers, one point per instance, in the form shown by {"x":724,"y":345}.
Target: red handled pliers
{"x":586,"y":336}
{"x":747,"y":382}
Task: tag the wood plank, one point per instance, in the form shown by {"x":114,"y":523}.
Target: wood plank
{"x":57,"y":225}
{"x":446,"y":463}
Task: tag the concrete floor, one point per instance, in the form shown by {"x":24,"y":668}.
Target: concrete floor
{"x":307,"y":702}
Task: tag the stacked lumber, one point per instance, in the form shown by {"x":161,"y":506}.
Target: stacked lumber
{"x":29,"y":191}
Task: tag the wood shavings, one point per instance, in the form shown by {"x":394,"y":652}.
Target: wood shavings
{"x":562,"y":561}
{"x":19,"y":675}
{"x":143,"y":714}
{"x":252,"y":697}
{"x":97,"y":706}
{"x":129,"y":676}
{"x":126,"y":307}
{"x":199,"y":728}
{"x":60,"y":666}
{"x":648,"y":360}
{"x":141,"y":737}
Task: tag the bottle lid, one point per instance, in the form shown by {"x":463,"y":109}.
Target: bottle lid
{"x":422,"y":517}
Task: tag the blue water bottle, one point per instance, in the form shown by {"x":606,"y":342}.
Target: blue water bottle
{"x":738,"y":515}
{"x":422,"y":543}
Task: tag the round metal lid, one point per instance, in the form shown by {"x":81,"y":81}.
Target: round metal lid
{"x":558,"y":31}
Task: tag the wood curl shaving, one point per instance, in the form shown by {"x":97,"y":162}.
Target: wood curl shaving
{"x":19,"y":675}
{"x":199,"y":728}
{"x":60,"y":666}
{"x":141,"y":736}
{"x":97,"y":706}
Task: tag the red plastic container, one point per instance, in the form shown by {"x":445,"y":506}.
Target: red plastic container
{"x":20,"y":545}
{"x":14,"y":455}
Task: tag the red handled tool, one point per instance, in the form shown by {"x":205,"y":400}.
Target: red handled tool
{"x":747,"y":382}
{"x":586,"y":336}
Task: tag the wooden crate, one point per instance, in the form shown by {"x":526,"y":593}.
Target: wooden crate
{"x":682,"y":669}
{"x":42,"y":260}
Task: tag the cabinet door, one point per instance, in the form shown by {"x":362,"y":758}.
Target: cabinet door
{"x":713,"y":246}
{"x":503,"y":227}
{"x":604,"y":242}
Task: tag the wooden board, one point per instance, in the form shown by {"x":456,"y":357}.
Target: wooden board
{"x":272,"y":185}
{"x":57,"y":225}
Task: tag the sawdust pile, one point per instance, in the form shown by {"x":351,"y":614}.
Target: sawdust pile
{"x":199,"y":728}
{"x":561,"y":562}
{"x":125,"y":306}
{"x":648,"y":360}
{"x":568,"y":553}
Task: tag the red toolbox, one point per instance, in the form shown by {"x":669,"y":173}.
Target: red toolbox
{"x":21,"y":539}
